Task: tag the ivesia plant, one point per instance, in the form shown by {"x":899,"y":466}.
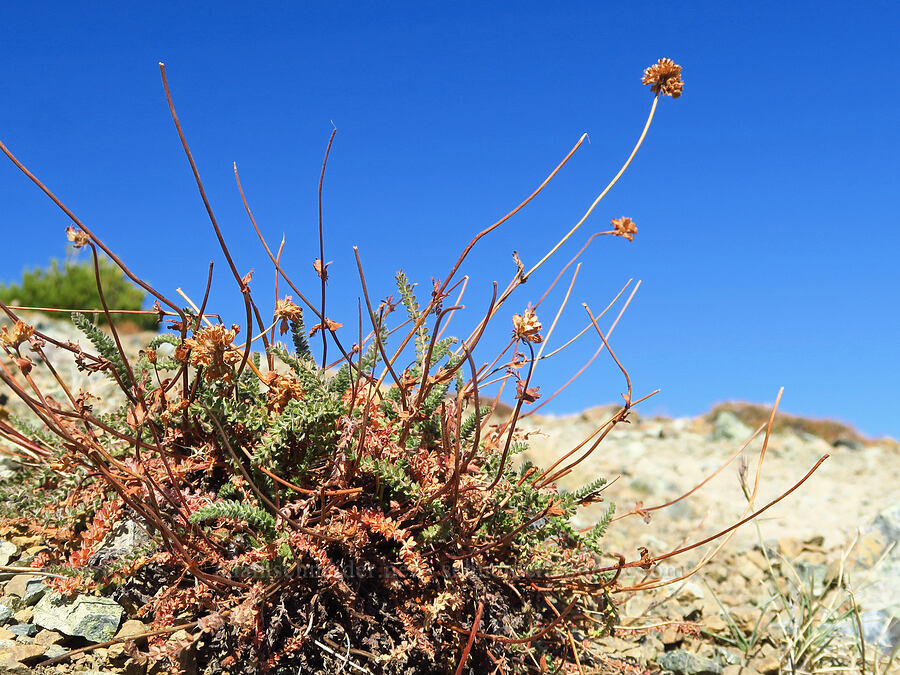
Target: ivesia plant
{"x":367,"y":515}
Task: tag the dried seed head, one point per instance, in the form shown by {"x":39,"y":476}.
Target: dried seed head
{"x":329,"y":325}
{"x":664,"y":77}
{"x":526,"y":326}
{"x":287,"y":311}
{"x":21,"y":331}
{"x":625,"y":227}
{"x":211,"y":348}
{"x":78,"y":237}
{"x":282,"y":390}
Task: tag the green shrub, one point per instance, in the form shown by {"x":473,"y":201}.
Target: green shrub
{"x":74,"y":286}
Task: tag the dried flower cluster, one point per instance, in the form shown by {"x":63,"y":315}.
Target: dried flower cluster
{"x":664,"y":77}
{"x":21,"y":332}
{"x":286,"y":311}
{"x":213,"y":350}
{"x":624,"y":227}
{"x":526,"y":326}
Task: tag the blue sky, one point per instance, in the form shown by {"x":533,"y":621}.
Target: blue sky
{"x":765,"y":196}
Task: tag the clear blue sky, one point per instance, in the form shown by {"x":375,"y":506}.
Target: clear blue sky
{"x":766,"y":196}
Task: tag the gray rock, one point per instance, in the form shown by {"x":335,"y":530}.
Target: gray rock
{"x":7,"y":551}
{"x":34,"y":591}
{"x":5,"y":614}
{"x":26,"y":629}
{"x":849,"y":443}
{"x":53,"y":651}
{"x":726,"y":657}
{"x":26,"y":586}
{"x":727,"y":427}
{"x":8,"y":467}
{"x":95,"y":619}
{"x":888,"y":523}
{"x":683,"y":662}
{"x":126,"y":538}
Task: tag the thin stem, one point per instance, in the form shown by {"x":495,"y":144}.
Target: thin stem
{"x":323,"y":274}
{"x":602,"y":194}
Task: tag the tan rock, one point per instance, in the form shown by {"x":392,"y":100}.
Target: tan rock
{"x":817,"y":541}
{"x":17,"y":651}
{"x":24,"y":615}
{"x":869,"y":549}
{"x":756,"y":557}
{"x":637,"y":605}
{"x":16,"y":585}
{"x":833,"y":571}
{"x":790,"y":547}
{"x":739,"y":670}
{"x":745,"y":616}
{"x":7,"y":634}
{"x":47,"y":637}
{"x":131,"y":627}
{"x":748,"y":570}
{"x":672,"y":637}
{"x":813,"y":557}
{"x":768,"y":665}
{"x":9,"y":666}
{"x":715,"y":623}
{"x":689,"y":592}
{"x":14,"y":602}
{"x":26,"y":542}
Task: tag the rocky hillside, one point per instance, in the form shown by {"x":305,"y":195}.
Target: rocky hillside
{"x":844,"y":521}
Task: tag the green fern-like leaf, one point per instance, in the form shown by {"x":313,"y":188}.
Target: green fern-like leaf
{"x":255,"y":517}
{"x":393,"y":474}
{"x":586,"y":490}
{"x":304,"y":367}
{"x":407,"y":296}
{"x":165,"y":339}
{"x":301,"y":343}
{"x":467,"y":428}
{"x":104,"y":345}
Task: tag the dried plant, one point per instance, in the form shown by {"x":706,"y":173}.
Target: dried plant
{"x":368,"y":514}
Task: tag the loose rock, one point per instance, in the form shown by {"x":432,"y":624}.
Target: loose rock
{"x":682,"y":662}
{"x":95,"y":619}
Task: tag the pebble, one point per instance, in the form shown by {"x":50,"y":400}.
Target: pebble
{"x":47,"y":637}
{"x":53,"y":651}
{"x":26,"y":629}
{"x":683,"y":662}
{"x":16,"y":651}
{"x":7,"y":551}
{"x":768,"y":665}
{"x":715,"y":623}
{"x":739,"y":670}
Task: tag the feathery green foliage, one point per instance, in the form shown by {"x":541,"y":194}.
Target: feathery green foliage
{"x":301,"y":342}
{"x":104,"y":345}
{"x":253,"y":516}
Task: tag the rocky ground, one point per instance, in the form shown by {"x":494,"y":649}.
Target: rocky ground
{"x":787,"y":593}
{"x":783,"y":593}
